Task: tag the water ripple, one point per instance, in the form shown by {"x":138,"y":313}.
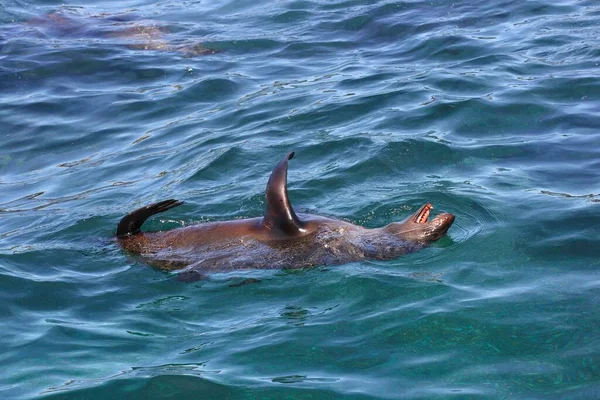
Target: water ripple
{"x":487,"y":110}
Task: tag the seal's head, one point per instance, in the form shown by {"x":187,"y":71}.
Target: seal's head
{"x":417,"y":227}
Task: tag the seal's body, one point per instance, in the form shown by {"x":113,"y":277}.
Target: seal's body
{"x":123,"y":29}
{"x":280,"y":239}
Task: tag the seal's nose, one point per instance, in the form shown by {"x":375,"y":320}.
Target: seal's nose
{"x":443,"y":222}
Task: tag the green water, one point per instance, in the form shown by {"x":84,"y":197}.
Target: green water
{"x":487,"y":109}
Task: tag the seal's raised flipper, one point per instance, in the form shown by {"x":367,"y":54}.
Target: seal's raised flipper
{"x":132,"y":222}
{"x":279,"y":215}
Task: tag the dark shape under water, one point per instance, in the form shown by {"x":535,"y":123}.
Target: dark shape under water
{"x":280,"y":239}
{"x":124,"y":29}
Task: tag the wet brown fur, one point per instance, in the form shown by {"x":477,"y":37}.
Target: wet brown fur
{"x":138,"y":35}
{"x":280,"y":239}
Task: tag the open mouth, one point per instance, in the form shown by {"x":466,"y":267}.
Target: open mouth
{"x":419,"y":228}
{"x":423,"y":214}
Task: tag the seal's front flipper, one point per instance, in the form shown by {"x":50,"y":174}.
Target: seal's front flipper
{"x":132,"y":222}
{"x":279,"y":215}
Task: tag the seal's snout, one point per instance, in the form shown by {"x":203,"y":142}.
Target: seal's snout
{"x":419,"y":228}
{"x":422,"y":216}
{"x":438,"y":227}
{"x":442,"y":223}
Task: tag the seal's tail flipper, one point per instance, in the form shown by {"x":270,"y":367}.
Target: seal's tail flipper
{"x":132,"y":222}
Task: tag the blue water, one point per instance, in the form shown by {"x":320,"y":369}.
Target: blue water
{"x":487,"y":109}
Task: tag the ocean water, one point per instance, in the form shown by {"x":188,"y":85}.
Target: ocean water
{"x":487,"y":109}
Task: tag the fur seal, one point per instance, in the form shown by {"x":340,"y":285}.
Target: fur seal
{"x":279,"y":239}
{"x":123,"y":28}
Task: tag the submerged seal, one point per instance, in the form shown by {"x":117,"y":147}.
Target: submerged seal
{"x":279,"y":239}
{"x":123,"y":28}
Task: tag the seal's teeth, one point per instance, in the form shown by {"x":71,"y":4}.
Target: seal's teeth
{"x":422,"y":216}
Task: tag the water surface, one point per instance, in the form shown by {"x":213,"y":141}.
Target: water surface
{"x":487,"y":109}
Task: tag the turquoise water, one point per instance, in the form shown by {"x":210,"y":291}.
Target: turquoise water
{"x":488,"y":109}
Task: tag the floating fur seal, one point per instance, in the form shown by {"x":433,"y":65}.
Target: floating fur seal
{"x":280,"y":239}
{"x":125,"y":29}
